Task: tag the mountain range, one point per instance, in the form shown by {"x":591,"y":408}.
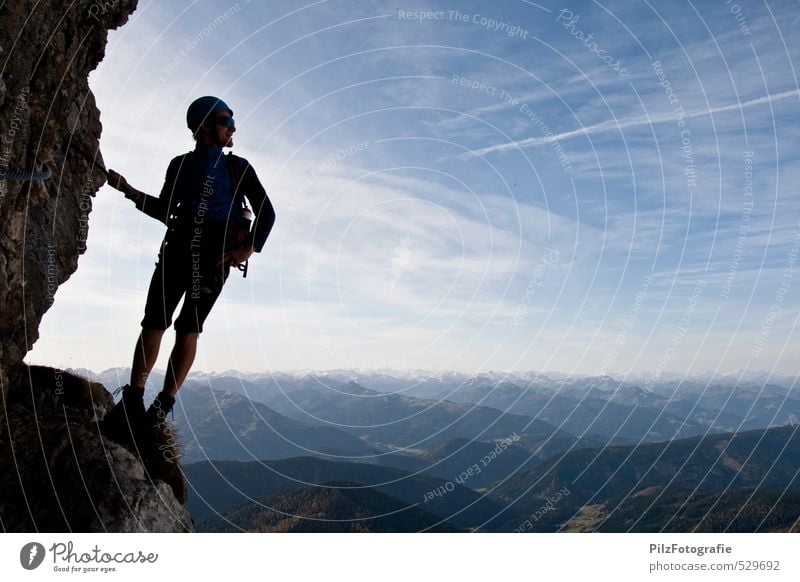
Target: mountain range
{"x":491,"y":452}
{"x":616,"y":475}
{"x":216,"y":487}
{"x":732,"y":482}
{"x":337,"y":506}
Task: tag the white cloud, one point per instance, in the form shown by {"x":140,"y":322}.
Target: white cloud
{"x":618,"y":124}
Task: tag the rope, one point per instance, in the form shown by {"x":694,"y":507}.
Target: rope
{"x":37,"y":175}
{"x":25,"y":175}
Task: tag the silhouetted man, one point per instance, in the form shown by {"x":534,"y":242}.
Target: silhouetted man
{"x":208,"y":231}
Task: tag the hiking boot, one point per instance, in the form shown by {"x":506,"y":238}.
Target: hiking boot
{"x":161,"y":406}
{"x":122,"y":422}
{"x":157,"y":442}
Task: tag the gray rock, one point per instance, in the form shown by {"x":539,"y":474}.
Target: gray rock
{"x":47,"y":116}
{"x":63,"y":475}
{"x":59,"y":473}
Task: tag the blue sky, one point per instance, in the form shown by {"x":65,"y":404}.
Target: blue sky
{"x":583,"y":187}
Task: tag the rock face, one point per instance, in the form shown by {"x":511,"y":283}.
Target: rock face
{"x":48,"y":118}
{"x":61,"y":475}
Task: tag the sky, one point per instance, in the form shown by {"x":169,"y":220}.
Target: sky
{"x":584,"y":187}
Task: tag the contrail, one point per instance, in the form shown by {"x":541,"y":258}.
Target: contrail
{"x":619,"y":124}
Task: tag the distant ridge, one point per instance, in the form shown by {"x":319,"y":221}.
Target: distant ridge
{"x":616,"y":475}
{"x":686,"y":509}
{"x":218,"y":487}
{"x":335,"y":506}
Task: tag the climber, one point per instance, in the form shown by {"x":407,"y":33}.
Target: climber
{"x":208,"y":232}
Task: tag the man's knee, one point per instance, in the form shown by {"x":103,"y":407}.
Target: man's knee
{"x":186,"y":338}
{"x":150,"y":338}
{"x":151,"y":332}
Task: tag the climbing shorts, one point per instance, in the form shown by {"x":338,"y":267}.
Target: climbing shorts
{"x":186,"y":269}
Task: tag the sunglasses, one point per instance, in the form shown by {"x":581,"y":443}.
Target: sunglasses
{"x":225,"y":121}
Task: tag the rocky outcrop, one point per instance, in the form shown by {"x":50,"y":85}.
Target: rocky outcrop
{"x":61,"y":474}
{"x":48,"y":118}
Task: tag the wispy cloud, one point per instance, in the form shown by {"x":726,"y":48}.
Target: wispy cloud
{"x":401,"y":250}
{"x":617,"y":124}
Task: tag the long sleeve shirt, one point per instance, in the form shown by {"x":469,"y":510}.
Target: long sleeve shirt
{"x":200,"y":181}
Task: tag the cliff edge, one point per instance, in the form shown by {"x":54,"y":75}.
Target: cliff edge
{"x":60,"y":473}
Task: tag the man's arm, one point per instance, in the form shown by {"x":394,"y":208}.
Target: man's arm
{"x":155,"y":207}
{"x":262,"y":208}
{"x":264,"y":217}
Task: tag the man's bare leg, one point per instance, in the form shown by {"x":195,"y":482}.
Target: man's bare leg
{"x":121,"y":422}
{"x":145,"y":355}
{"x":180,"y":361}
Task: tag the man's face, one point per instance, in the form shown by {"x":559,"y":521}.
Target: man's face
{"x":223,"y":135}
